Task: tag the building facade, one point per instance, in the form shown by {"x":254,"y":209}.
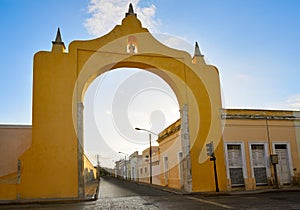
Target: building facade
{"x":133,"y":165}
{"x":170,"y":156}
{"x":14,"y":141}
{"x":143,"y":167}
{"x":250,"y":137}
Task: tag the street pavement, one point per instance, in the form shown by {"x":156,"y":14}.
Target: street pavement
{"x":121,"y":194}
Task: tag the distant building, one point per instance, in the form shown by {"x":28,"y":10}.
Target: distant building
{"x":133,"y":165}
{"x":144,"y":166}
{"x":122,"y":169}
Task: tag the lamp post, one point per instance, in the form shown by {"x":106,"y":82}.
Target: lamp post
{"x":124,"y":164}
{"x":210,"y":152}
{"x":150,"y":150}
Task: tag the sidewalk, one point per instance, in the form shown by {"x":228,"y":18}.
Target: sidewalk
{"x":92,"y":189}
{"x":223,"y":193}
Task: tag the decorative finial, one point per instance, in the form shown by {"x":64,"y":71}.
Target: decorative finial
{"x":130,"y":11}
{"x":58,"y":39}
{"x":197,"y":50}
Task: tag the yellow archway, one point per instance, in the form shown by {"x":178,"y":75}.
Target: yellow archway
{"x":54,"y":160}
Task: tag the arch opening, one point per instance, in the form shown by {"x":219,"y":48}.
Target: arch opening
{"x":187,"y":85}
{"x":119,"y":100}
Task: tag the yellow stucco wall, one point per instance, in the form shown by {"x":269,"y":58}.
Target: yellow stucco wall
{"x":49,"y":167}
{"x":60,"y":80}
{"x":90,"y":171}
{"x":169,"y":146}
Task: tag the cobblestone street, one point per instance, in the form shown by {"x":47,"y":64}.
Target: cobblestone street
{"x":119,"y":194}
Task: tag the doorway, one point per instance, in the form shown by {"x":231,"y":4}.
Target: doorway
{"x":283,"y":166}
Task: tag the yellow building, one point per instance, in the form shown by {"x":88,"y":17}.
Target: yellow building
{"x":250,"y":137}
{"x":170,"y":156}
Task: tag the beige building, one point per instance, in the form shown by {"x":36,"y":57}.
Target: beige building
{"x":170,"y":156}
{"x":143,"y":166}
{"x":249,"y":138}
{"x":14,"y":141}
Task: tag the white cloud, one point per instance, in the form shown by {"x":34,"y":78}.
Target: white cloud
{"x":244,"y":77}
{"x":294,"y":102}
{"x":105,"y":14}
{"x":175,"y":42}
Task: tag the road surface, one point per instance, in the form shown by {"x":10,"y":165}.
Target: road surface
{"x":117,"y":194}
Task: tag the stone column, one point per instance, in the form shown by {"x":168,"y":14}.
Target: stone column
{"x":185,"y":143}
{"x":80,"y":152}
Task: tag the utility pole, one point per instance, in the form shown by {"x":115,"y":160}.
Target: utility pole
{"x":150,"y":153}
{"x":150,"y":150}
{"x":98,"y":166}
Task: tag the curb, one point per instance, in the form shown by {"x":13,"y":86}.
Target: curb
{"x":166,"y":189}
{"x":222,"y":193}
{"x":44,"y":201}
{"x":252,"y":192}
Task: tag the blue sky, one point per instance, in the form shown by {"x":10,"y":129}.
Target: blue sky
{"x":254,"y":43}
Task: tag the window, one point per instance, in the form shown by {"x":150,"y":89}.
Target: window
{"x":235,"y":164}
{"x":259,"y":164}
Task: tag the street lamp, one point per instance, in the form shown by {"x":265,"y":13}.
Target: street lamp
{"x":125,"y":164}
{"x":150,"y":150}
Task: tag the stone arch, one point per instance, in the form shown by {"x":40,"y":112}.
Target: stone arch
{"x":54,"y":160}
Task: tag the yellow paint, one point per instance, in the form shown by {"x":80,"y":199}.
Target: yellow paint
{"x":169,"y":146}
{"x":49,"y":168}
{"x":88,"y":167}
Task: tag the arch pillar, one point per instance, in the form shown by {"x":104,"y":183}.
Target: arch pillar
{"x":185,"y":142}
{"x":80,"y":148}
